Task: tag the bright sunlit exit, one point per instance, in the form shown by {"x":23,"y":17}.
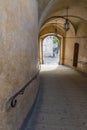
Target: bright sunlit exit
{"x":51,"y":50}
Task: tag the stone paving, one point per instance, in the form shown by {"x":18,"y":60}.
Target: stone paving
{"x":62,"y":101}
{"x":51,"y":60}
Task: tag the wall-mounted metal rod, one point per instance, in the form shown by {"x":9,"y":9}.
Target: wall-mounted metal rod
{"x":13,"y":99}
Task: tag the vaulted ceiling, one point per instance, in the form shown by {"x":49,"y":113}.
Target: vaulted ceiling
{"x":42,"y":5}
{"x":53,"y":11}
{"x":55,"y":5}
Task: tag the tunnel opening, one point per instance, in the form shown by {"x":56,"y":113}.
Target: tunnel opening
{"x":51,"y":50}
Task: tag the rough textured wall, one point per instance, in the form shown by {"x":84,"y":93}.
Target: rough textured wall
{"x":18,"y":58}
{"x":69,"y":50}
{"x":81,"y":39}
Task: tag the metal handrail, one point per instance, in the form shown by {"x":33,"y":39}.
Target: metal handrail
{"x":13,"y":99}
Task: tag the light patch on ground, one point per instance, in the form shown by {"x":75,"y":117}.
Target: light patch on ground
{"x":47,"y":67}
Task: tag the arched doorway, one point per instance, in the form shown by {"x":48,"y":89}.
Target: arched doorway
{"x":51,"y":50}
{"x":60,"y":50}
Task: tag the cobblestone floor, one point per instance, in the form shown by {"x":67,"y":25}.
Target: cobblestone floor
{"x":62,"y":101}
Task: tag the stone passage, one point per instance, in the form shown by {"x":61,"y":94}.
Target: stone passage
{"x":62,"y":101}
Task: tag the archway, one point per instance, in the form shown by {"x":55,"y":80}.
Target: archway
{"x":61,"y":47}
{"x":51,"y":50}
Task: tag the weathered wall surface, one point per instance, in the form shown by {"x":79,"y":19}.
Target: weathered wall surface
{"x":18,"y":59}
{"x":82,"y":60}
{"x":69,"y":50}
{"x":81,"y":39}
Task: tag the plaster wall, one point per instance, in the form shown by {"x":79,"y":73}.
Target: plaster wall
{"x":69,"y":49}
{"x":82,"y":34}
{"x":18,"y":59}
{"x":81,"y":39}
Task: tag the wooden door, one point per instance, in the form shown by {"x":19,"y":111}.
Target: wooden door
{"x":75,"y":57}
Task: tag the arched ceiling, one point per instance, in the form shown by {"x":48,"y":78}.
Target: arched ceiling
{"x":51,"y":10}
{"x":42,"y":5}
{"x":57,"y":5}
